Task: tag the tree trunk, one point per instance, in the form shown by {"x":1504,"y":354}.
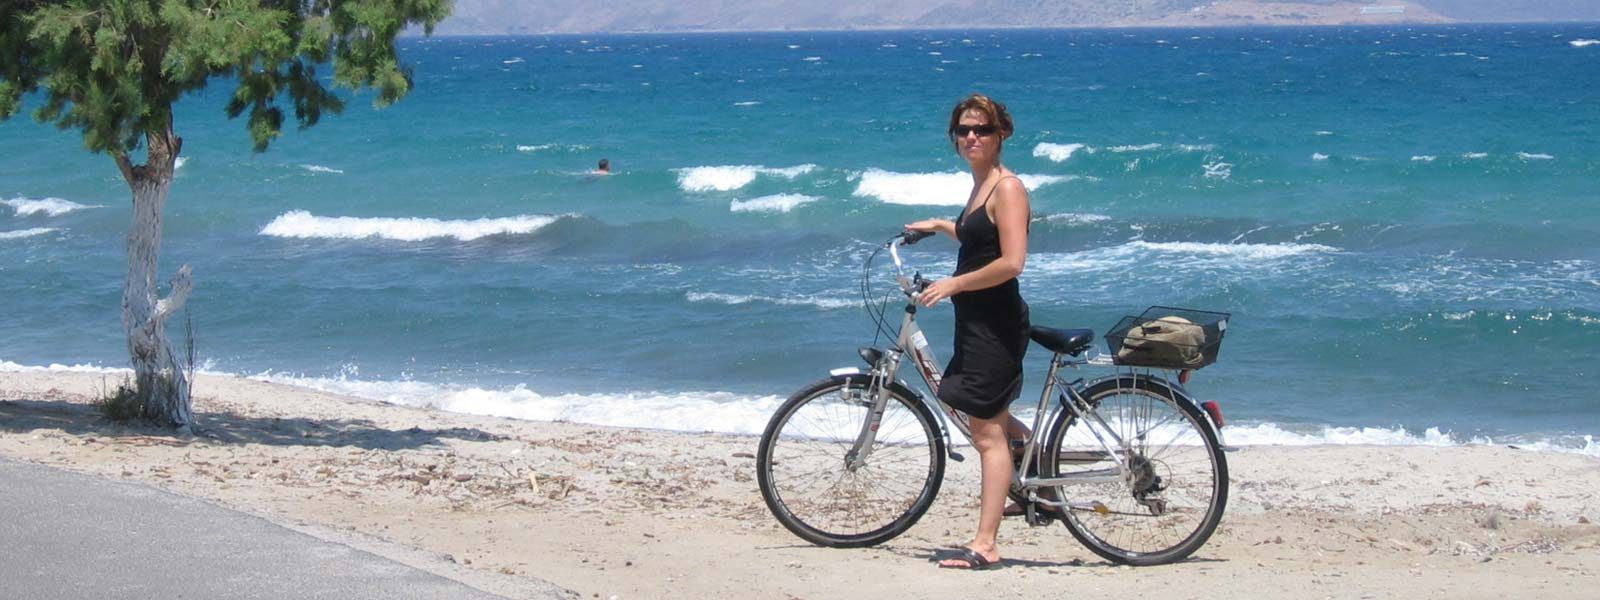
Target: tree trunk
{"x":161,"y":383}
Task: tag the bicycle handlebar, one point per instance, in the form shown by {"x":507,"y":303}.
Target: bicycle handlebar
{"x":911,"y":286}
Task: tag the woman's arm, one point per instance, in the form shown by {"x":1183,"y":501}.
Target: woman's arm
{"x":1011,"y":214}
{"x":944,"y":226}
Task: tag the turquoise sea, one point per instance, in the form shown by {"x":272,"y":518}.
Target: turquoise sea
{"x":1402,"y":221}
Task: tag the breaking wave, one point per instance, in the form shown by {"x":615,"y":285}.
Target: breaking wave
{"x":732,"y":177}
{"x":302,"y":224}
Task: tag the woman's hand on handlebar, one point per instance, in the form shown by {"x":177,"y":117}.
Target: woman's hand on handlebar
{"x":939,"y":290}
{"x":944,"y":226}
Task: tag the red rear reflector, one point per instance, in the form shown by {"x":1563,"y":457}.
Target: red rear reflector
{"x":1215,"y":410}
{"x":1183,"y":377}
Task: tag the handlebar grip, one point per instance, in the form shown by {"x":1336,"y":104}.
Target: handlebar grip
{"x":912,"y":237}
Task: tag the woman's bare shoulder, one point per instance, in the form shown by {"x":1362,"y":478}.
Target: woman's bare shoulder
{"x":1011,"y":188}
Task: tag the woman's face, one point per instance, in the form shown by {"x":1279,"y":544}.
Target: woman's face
{"x":976,"y":139}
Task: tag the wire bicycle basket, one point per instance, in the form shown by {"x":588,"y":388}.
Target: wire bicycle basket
{"x":1166,"y":337}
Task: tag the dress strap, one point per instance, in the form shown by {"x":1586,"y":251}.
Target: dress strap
{"x":991,"y":195}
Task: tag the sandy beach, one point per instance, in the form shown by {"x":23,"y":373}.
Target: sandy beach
{"x":628,"y":513}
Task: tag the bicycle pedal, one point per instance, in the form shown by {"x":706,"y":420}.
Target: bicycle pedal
{"x":956,"y":456}
{"x":1038,"y":518}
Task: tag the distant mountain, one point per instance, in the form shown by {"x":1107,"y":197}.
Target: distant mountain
{"x":514,"y":17}
{"x":1509,"y":11}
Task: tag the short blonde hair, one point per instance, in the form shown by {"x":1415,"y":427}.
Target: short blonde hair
{"x":994,"y":111}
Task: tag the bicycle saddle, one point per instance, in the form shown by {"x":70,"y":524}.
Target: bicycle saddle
{"x":1062,"y":341}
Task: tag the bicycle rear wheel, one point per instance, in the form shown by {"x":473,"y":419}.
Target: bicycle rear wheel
{"x":1159,"y":497}
{"x":803,"y":466}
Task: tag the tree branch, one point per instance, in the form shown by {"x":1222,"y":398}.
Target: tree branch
{"x":125,"y":165}
{"x":182,"y":284}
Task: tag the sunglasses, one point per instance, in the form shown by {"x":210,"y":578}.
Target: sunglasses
{"x":961,"y":131}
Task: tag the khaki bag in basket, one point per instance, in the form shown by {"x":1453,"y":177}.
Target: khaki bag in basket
{"x":1170,"y":340}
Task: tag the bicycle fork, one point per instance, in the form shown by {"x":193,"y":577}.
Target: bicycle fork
{"x":882,"y":373}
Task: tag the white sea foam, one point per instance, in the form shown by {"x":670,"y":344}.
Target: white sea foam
{"x":1218,"y":170}
{"x":790,"y":172}
{"x":1134,"y":148}
{"x":178,"y":164}
{"x":1424,"y":158}
{"x":721,"y":179}
{"x":732,"y":177}
{"x":1252,"y":252}
{"x":748,"y":103}
{"x":1534,"y":156}
{"x":1583,"y":43}
{"x":531,"y":148}
{"x":53,"y":207}
{"x":721,"y":412}
{"x":512,"y":61}
{"x":1475,"y":155}
{"x":1272,"y":434}
{"x":1318,"y":156}
{"x":1316,"y":229}
{"x":24,"y":233}
{"x":812,"y":58}
{"x":7,"y":366}
{"x":734,"y":299}
{"x":302,"y":224}
{"x":935,"y":189}
{"x":1324,"y":133}
{"x":1056,"y":152}
{"x":773,"y":203}
{"x":1074,"y":218}
{"x":321,"y":169}
{"x":1033,"y":182}
{"x":1120,"y":258}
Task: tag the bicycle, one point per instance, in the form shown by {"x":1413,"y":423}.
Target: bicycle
{"x":1130,"y":463}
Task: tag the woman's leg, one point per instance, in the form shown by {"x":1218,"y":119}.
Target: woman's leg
{"x":1015,"y":428}
{"x":994,"y":455}
{"x":1016,"y":436}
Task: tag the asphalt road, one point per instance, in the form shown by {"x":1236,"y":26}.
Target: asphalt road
{"x":64,"y":536}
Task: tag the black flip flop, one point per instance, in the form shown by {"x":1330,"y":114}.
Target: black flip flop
{"x":973,"y":560}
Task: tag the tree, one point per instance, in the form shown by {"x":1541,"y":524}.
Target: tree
{"x":113,"y":69}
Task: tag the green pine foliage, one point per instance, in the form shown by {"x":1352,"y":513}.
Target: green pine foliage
{"x":114,"y":68}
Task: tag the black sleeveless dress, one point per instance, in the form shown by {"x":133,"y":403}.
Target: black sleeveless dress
{"x":985,"y":374}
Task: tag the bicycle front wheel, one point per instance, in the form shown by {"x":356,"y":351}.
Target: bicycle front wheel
{"x":804,"y":464}
{"x":1154,"y":498}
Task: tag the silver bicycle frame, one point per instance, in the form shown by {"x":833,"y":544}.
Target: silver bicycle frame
{"x":912,"y":341}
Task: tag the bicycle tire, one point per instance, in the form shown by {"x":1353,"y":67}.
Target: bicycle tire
{"x":801,"y":465}
{"x":1169,"y":503}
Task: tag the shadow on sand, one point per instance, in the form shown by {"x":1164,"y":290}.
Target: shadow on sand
{"x":75,"y":418}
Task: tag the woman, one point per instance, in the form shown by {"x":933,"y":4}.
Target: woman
{"x":985,"y":373}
